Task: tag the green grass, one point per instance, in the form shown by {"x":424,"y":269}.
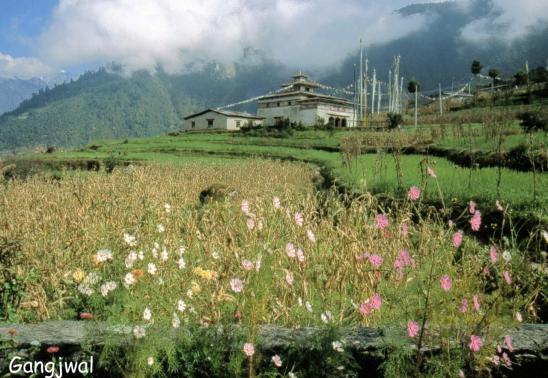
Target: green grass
{"x":458,"y":184}
{"x":378,"y":174}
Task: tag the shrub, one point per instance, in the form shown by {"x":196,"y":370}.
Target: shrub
{"x":533,"y":121}
{"x":394,"y":120}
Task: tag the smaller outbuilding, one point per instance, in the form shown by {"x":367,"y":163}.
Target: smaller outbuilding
{"x":214,"y":119}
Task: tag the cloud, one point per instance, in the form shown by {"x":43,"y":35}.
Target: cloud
{"x":24,"y":68}
{"x":507,"y":20}
{"x":144,"y":33}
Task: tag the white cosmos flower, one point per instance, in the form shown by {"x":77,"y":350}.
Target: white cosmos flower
{"x":181,"y":263}
{"x":300,"y":300}
{"x":139,"y":332}
{"x":337,"y":346}
{"x":175,"y":321}
{"x":160,"y":228}
{"x":103,"y":255}
{"x":150,"y":361}
{"x":130,"y":240}
{"x":507,"y":256}
{"x":277,"y":361}
{"x":167,"y":207}
{"x":308,"y":306}
{"x":147,"y":314}
{"x":189,"y":293}
{"x":130,"y":259}
{"x":155,"y":252}
{"x":141,"y":255}
{"x":311,"y":236}
{"x":545,"y":235}
{"x":182,"y":250}
{"x":151,"y":268}
{"x":164,"y":255}
{"x":215,"y":255}
{"x":129,"y":279}
{"x":85,"y":289}
{"x":92,"y":278}
{"x":181,"y":305}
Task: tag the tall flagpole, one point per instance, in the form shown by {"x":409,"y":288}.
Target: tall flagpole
{"x":361,"y":83}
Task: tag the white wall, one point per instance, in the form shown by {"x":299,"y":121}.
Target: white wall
{"x":220,"y":122}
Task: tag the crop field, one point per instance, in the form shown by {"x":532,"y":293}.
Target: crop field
{"x":308,"y":228}
{"x":137,"y":246}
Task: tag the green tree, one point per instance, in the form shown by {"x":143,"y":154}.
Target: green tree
{"x":413,"y":87}
{"x":520,"y":78}
{"x":493,"y":74}
{"x":476,"y":67}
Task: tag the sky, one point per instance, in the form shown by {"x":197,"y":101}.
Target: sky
{"x":43,"y":37}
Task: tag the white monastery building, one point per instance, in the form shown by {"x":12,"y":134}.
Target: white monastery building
{"x":213,"y":119}
{"x":299,"y":103}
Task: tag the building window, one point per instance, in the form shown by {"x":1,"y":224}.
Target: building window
{"x":210,"y":123}
{"x":193,"y":125}
{"x":289,"y":103}
{"x":308,"y":89}
{"x":268,"y":104}
{"x":278,"y":104}
{"x":238,"y":123}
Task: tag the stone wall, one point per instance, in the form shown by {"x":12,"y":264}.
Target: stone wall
{"x":76,"y":339}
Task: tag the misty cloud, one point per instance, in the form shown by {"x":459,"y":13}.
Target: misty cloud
{"x":507,"y":20}
{"x":145,"y":33}
{"x":23,"y":68}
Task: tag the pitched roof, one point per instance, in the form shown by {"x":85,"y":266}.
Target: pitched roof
{"x":225,"y":113}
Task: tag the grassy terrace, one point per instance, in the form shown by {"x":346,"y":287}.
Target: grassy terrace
{"x":374,"y":172}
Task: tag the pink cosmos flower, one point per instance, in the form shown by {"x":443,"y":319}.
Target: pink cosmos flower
{"x":507,"y":277}
{"x":476,"y":301}
{"x":446,"y":282}
{"x":86,"y":315}
{"x":412,"y":328}
{"x":376,"y":301}
{"x":290,"y":249}
{"x":431,"y":172}
{"x":457,"y":239}
{"x":276,"y":202}
{"x":52,"y":349}
{"x":250,"y":224}
{"x":299,"y":220}
{"x":249,"y":349}
{"x":245,"y":207}
{"x":277,"y":361}
{"x":475,"y":343}
{"x":289,"y":278}
{"x":403,"y":260}
{"x":464,"y":306}
{"x":247,"y":265}
{"x":485,"y":270}
{"x":496,"y":360}
{"x":508,"y":341}
{"x":382,"y":221}
{"x":499,"y":349}
{"x":375,"y":260}
{"x":237,"y":285}
{"x":506,"y":359}
{"x":493,"y":254}
{"x":300,"y":255}
{"x":414,"y":193}
{"x":472,"y":207}
{"x":475,"y":222}
{"x":365,"y":308}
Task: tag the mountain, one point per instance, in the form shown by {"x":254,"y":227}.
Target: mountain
{"x":438,"y":54}
{"x":14,"y":90}
{"x":107,"y":104}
